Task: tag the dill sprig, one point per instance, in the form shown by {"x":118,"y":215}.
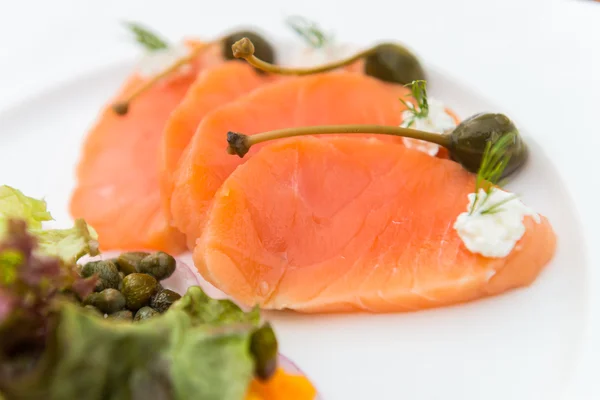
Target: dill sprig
{"x":308,"y":30}
{"x":418,"y":92}
{"x":149,"y":40}
{"x":496,"y":156}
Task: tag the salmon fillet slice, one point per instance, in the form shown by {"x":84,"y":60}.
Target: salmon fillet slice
{"x":335,"y":98}
{"x":213,"y":87}
{"x":117,"y":188}
{"x":347,"y":224}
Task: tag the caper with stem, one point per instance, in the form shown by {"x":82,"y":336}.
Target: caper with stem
{"x":388,"y":62}
{"x":466,"y":143}
{"x":263,"y":49}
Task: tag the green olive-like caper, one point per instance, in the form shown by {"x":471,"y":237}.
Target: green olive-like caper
{"x":163,"y":300}
{"x":128,"y":262}
{"x":107,"y":272}
{"x":138,"y":289}
{"x":160,"y":265}
{"x":262,"y":48}
{"x":93,"y":310}
{"x":263,"y":346}
{"x":145,"y":313}
{"x":469,"y":139}
{"x":122,"y":315}
{"x":392,"y":62}
{"x":108,"y":301}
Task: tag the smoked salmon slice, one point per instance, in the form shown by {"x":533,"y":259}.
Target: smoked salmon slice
{"x":335,"y":98}
{"x":214,"y":87}
{"x":345,"y":224}
{"x":117,"y":189}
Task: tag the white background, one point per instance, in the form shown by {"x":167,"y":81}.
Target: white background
{"x":540,"y":59}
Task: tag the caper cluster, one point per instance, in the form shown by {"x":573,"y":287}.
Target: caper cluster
{"x":128,"y":286}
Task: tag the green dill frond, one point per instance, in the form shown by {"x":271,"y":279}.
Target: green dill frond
{"x":496,"y":156}
{"x":149,"y":40}
{"x":308,"y":30}
{"x":418,"y":93}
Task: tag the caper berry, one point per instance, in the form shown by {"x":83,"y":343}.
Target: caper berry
{"x":163,"y":300}
{"x":128,"y":262}
{"x":263,"y":346}
{"x":160,"y":265}
{"x":470,"y":138}
{"x":122,"y":315}
{"x":145,"y":313}
{"x":108,"y":274}
{"x":94,"y":310}
{"x":262,"y":48}
{"x":138,"y":289}
{"x":108,"y":301}
{"x":391,"y":62}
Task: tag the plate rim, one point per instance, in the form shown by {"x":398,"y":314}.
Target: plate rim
{"x":591,"y":321}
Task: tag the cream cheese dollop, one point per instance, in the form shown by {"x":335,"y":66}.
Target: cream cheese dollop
{"x":496,"y":233}
{"x":437,"y":121}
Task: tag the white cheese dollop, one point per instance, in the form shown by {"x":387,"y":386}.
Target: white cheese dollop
{"x":437,"y":121}
{"x":493,"y":234}
{"x":155,"y":62}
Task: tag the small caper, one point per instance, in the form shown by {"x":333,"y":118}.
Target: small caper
{"x":262,"y":48}
{"x":138,"y":289}
{"x":122,"y":315}
{"x":94,"y":310}
{"x":145,"y":313}
{"x":160,"y":265}
{"x":391,"y":62}
{"x":128,"y":262}
{"x":108,"y":301}
{"x":470,"y":138}
{"x":163,"y":300}
{"x":107,"y":272}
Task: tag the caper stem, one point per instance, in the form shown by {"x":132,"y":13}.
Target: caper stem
{"x":240,"y":144}
{"x":244,"y":48}
{"x":122,"y":107}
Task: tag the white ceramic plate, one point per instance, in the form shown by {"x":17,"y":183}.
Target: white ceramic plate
{"x":521,"y":345}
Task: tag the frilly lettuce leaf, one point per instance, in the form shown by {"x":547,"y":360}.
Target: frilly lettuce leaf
{"x":67,"y":244}
{"x":178,"y":355}
{"x":206,"y":310}
{"x":14,"y":204}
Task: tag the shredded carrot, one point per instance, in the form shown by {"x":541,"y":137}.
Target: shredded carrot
{"x":282,"y":386}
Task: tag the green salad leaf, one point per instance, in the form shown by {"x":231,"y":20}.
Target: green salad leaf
{"x":178,"y":355}
{"x":14,"y":204}
{"x":67,"y":244}
{"x":53,"y":348}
